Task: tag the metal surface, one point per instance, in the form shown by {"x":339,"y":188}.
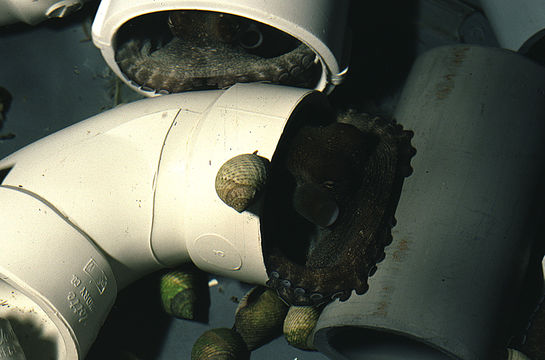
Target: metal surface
{"x":466,"y":218}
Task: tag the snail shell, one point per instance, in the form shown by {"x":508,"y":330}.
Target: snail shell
{"x":185,"y":294}
{"x":239,"y":180}
{"x":259,"y":317}
{"x":513,"y":354}
{"x":299,"y":324}
{"x":220,"y":344}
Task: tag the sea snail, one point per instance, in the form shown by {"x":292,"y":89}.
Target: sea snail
{"x":185,"y":295}
{"x":259,"y":317}
{"x":220,"y":344}
{"x":240,"y":179}
{"x":299,"y":324}
{"x":513,"y":354}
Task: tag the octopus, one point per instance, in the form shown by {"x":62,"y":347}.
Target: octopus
{"x":175,"y":51}
{"x":329,"y":207}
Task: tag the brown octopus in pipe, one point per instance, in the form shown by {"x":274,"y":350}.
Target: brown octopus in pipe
{"x":329,"y":207}
{"x":210,"y":50}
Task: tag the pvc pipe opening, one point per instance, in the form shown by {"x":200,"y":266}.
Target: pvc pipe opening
{"x":248,"y":50}
{"x":362,"y":343}
{"x":38,"y":336}
{"x":317,"y":28}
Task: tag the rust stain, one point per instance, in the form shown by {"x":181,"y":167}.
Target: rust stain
{"x":382,"y":308}
{"x":443,"y":90}
{"x":460,"y":55}
{"x":446,"y":84}
{"x":401,"y":250}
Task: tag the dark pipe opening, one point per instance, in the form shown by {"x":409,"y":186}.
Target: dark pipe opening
{"x":360,"y":343}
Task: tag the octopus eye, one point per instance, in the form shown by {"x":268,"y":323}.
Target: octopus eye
{"x":329,"y":184}
{"x":251,"y":38}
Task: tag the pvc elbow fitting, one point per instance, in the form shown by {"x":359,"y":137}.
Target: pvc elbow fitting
{"x":33,"y":12}
{"x":319,"y":24}
{"x":91,"y":208}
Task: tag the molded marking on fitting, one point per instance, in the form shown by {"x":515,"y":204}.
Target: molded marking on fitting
{"x":81,"y":300}
{"x":218,"y":251}
{"x":97,"y":275}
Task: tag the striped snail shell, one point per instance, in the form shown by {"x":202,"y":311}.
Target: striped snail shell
{"x":513,"y":354}
{"x":220,"y":344}
{"x":259,"y":317}
{"x":299,"y":324}
{"x":239,"y":180}
{"x":185,"y":294}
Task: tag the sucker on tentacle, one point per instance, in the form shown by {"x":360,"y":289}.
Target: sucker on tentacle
{"x":358,"y":165}
{"x":209,"y":52}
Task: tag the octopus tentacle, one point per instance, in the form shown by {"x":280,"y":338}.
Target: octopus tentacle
{"x":341,"y":257}
{"x":197,"y":61}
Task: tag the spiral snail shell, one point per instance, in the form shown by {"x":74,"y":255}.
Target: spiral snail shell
{"x":299,"y":324}
{"x":185,"y":294}
{"x":220,"y":344}
{"x":513,"y":354}
{"x":240,"y":178}
{"x":259,"y":317}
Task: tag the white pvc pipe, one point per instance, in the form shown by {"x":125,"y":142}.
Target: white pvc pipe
{"x":466,"y":218}
{"x":91,"y":208}
{"x":320,"y":24}
{"x":33,"y":12}
{"x":518,"y":25}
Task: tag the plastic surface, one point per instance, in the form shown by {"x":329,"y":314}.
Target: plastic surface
{"x":95,"y":206}
{"x":33,"y":12}
{"x":55,"y":285}
{"x":466,"y":217}
{"x":246,"y":118}
{"x":320,"y":24}
{"x":518,"y":25}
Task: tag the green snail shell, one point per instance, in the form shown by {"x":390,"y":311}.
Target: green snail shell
{"x":299,"y":324}
{"x":185,"y":294}
{"x":513,"y":354}
{"x":239,"y":180}
{"x":259,"y":317}
{"x":220,"y":344}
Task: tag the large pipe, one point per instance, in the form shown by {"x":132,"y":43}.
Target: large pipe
{"x":466,"y":216}
{"x":89,"y":209}
{"x":519,"y":25}
{"x":34,"y":12}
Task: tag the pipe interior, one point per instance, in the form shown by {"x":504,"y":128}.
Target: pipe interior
{"x":360,"y":343}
